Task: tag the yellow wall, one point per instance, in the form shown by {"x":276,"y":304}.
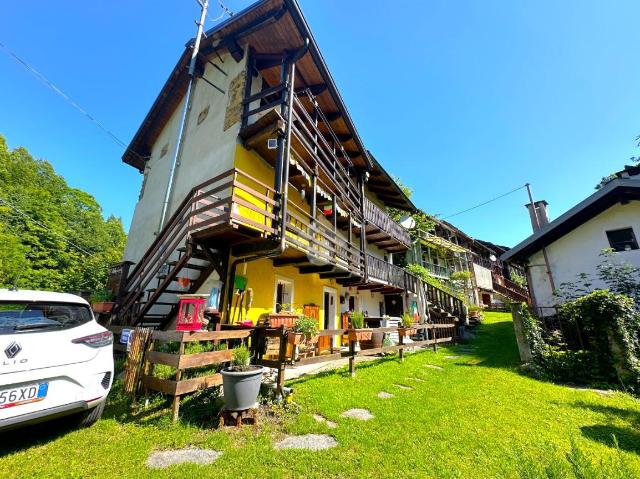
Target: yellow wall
{"x":261,"y":274}
{"x":307,"y":289}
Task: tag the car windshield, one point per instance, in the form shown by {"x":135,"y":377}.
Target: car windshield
{"x":36,"y":316}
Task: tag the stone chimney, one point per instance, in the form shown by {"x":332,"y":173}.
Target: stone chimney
{"x":543,"y":217}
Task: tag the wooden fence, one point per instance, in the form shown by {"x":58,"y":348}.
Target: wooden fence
{"x":270,"y":347}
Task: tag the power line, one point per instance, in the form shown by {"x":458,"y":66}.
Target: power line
{"x":485,"y":202}
{"x":25,"y":215}
{"x":48,"y":83}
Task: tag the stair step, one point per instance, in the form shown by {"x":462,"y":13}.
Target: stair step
{"x":168,"y":291}
{"x":194,"y":253}
{"x":196,"y":267}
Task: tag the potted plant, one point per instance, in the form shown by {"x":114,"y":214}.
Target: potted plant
{"x":357,"y":324}
{"x":305,"y":330}
{"x":406,"y":329}
{"x":241,"y":381}
{"x":475,"y":311}
{"x":101,"y":301}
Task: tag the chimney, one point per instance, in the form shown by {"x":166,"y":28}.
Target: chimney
{"x":541,"y":210}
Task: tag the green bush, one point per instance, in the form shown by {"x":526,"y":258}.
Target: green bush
{"x":307,"y":326}
{"x":609,"y":329}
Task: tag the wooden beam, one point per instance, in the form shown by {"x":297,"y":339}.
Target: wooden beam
{"x":314,"y":89}
{"x":336,"y":274}
{"x":289,"y":261}
{"x":315,"y":269}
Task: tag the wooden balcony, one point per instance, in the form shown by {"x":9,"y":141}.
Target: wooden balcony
{"x":437,"y":270}
{"x":238,"y":208}
{"x":382,"y":231}
{"x":315,"y":147}
{"x":388,"y":278}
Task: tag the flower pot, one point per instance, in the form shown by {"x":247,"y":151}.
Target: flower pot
{"x":312,"y":339}
{"x":360,"y":335}
{"x":474,"y":314}
{"x":294,"y":338}
{"x":277,"y":320}
{"x":241,"y":388}
{"x":103,"y":307}
{"x":406,"y":332}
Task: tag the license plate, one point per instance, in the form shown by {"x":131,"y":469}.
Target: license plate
{"x":23,"y":395}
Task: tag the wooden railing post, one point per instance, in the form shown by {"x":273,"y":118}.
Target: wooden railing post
{"x":175,"y":407}
{"x":401,"y":348}
{"x":352,"y":357}
{"x":282,"y":356}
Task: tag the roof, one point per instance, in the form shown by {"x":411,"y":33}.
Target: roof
{"x":29,"y":295}
{"x":386,"y":188}
{"x":268,"y":26}
{"x":617,"y":190}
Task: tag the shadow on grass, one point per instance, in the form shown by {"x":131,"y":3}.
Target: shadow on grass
{"x":628,"y":439}
{"x":36,"y":435}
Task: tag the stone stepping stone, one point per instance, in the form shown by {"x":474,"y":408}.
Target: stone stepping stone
{"x":359,"y":414}
{"x":384,"y":395}
{"x":402,"y":386}
{"x":163,"y":459}
{"x":311,"y":442}
{"x":433,"y":366}
{"x":452,"y":357}
{"x":415,"y":379}
{"x":322,"y":419}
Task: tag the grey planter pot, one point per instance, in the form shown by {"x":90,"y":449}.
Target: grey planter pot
{"x":241,"y":388}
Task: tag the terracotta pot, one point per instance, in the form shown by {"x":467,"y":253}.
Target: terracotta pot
{"x":295,"y":338}
{"x":102,"y":308}
{"x":406,"y":332}
{"x":474,"y":314}
{"x":360,"y":335}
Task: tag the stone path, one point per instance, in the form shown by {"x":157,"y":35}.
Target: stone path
{"x":452,"y":357}
{"x":162,"y":459}
{"x":433,"y":366}
{"x":322,"y":419}
{"x":402,"y":386}
{"x":384,"y":395}
{"x":420,"y":380}
{"x":359,"y":414}
{"x":311,"y":442}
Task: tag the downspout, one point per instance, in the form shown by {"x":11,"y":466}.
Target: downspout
{"x":183,"y":118}
{"x":282,"y":182}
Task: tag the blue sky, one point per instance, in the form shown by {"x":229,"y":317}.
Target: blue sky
{"x":462,"y":100}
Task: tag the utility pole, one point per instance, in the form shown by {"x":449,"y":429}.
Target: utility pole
{"x":204,"y":4}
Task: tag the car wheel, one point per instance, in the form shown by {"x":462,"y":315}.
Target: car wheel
{"x":88,"y":418}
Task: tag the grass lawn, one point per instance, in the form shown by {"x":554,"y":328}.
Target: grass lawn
{"x":477,"y":417}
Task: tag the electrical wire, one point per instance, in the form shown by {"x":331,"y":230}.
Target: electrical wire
{"x":484,"y":203}
{"x":48,"y":83}
{"x":25,"y":215}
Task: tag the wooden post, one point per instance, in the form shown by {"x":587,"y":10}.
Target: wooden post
{"x":352,"y":358}
{"x":282,"y":353}
{"x":175,"y":408}
{"x":401,"y":350}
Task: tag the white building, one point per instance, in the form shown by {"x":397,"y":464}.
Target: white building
{"x":559,"y":251}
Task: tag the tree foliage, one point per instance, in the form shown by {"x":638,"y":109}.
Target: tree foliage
{"x":52,"y":236}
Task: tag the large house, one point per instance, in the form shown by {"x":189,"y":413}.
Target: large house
{"x":271,"y":197}
{"x":559,"y":251}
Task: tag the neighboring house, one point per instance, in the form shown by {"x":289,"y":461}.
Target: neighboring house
{"x":447,"y":250}
{"x":560,"y":250}
{"x":274,"y":193}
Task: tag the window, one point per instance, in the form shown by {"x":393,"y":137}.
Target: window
{"x":283,"y":295}
{"x":34,"y":316}
{"x":622,"y":239}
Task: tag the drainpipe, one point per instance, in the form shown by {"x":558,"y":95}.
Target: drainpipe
{"x":183,"y":118}
{"x":281,"y":179}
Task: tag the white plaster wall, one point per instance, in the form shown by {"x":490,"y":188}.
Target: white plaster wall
{"x":208,"y":151}
{"x":578,"y":252}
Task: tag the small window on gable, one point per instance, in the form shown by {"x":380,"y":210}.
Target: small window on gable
{"x":622,"y":239}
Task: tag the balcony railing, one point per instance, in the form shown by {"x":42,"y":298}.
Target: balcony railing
{"x":383,"y":222}
{"x":437,"y":270}
{"x":390,"y":274}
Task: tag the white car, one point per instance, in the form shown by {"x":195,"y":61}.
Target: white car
{"x":55,"y":359}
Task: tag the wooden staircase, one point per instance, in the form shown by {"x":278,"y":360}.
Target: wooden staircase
{"x":509,"y":289}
